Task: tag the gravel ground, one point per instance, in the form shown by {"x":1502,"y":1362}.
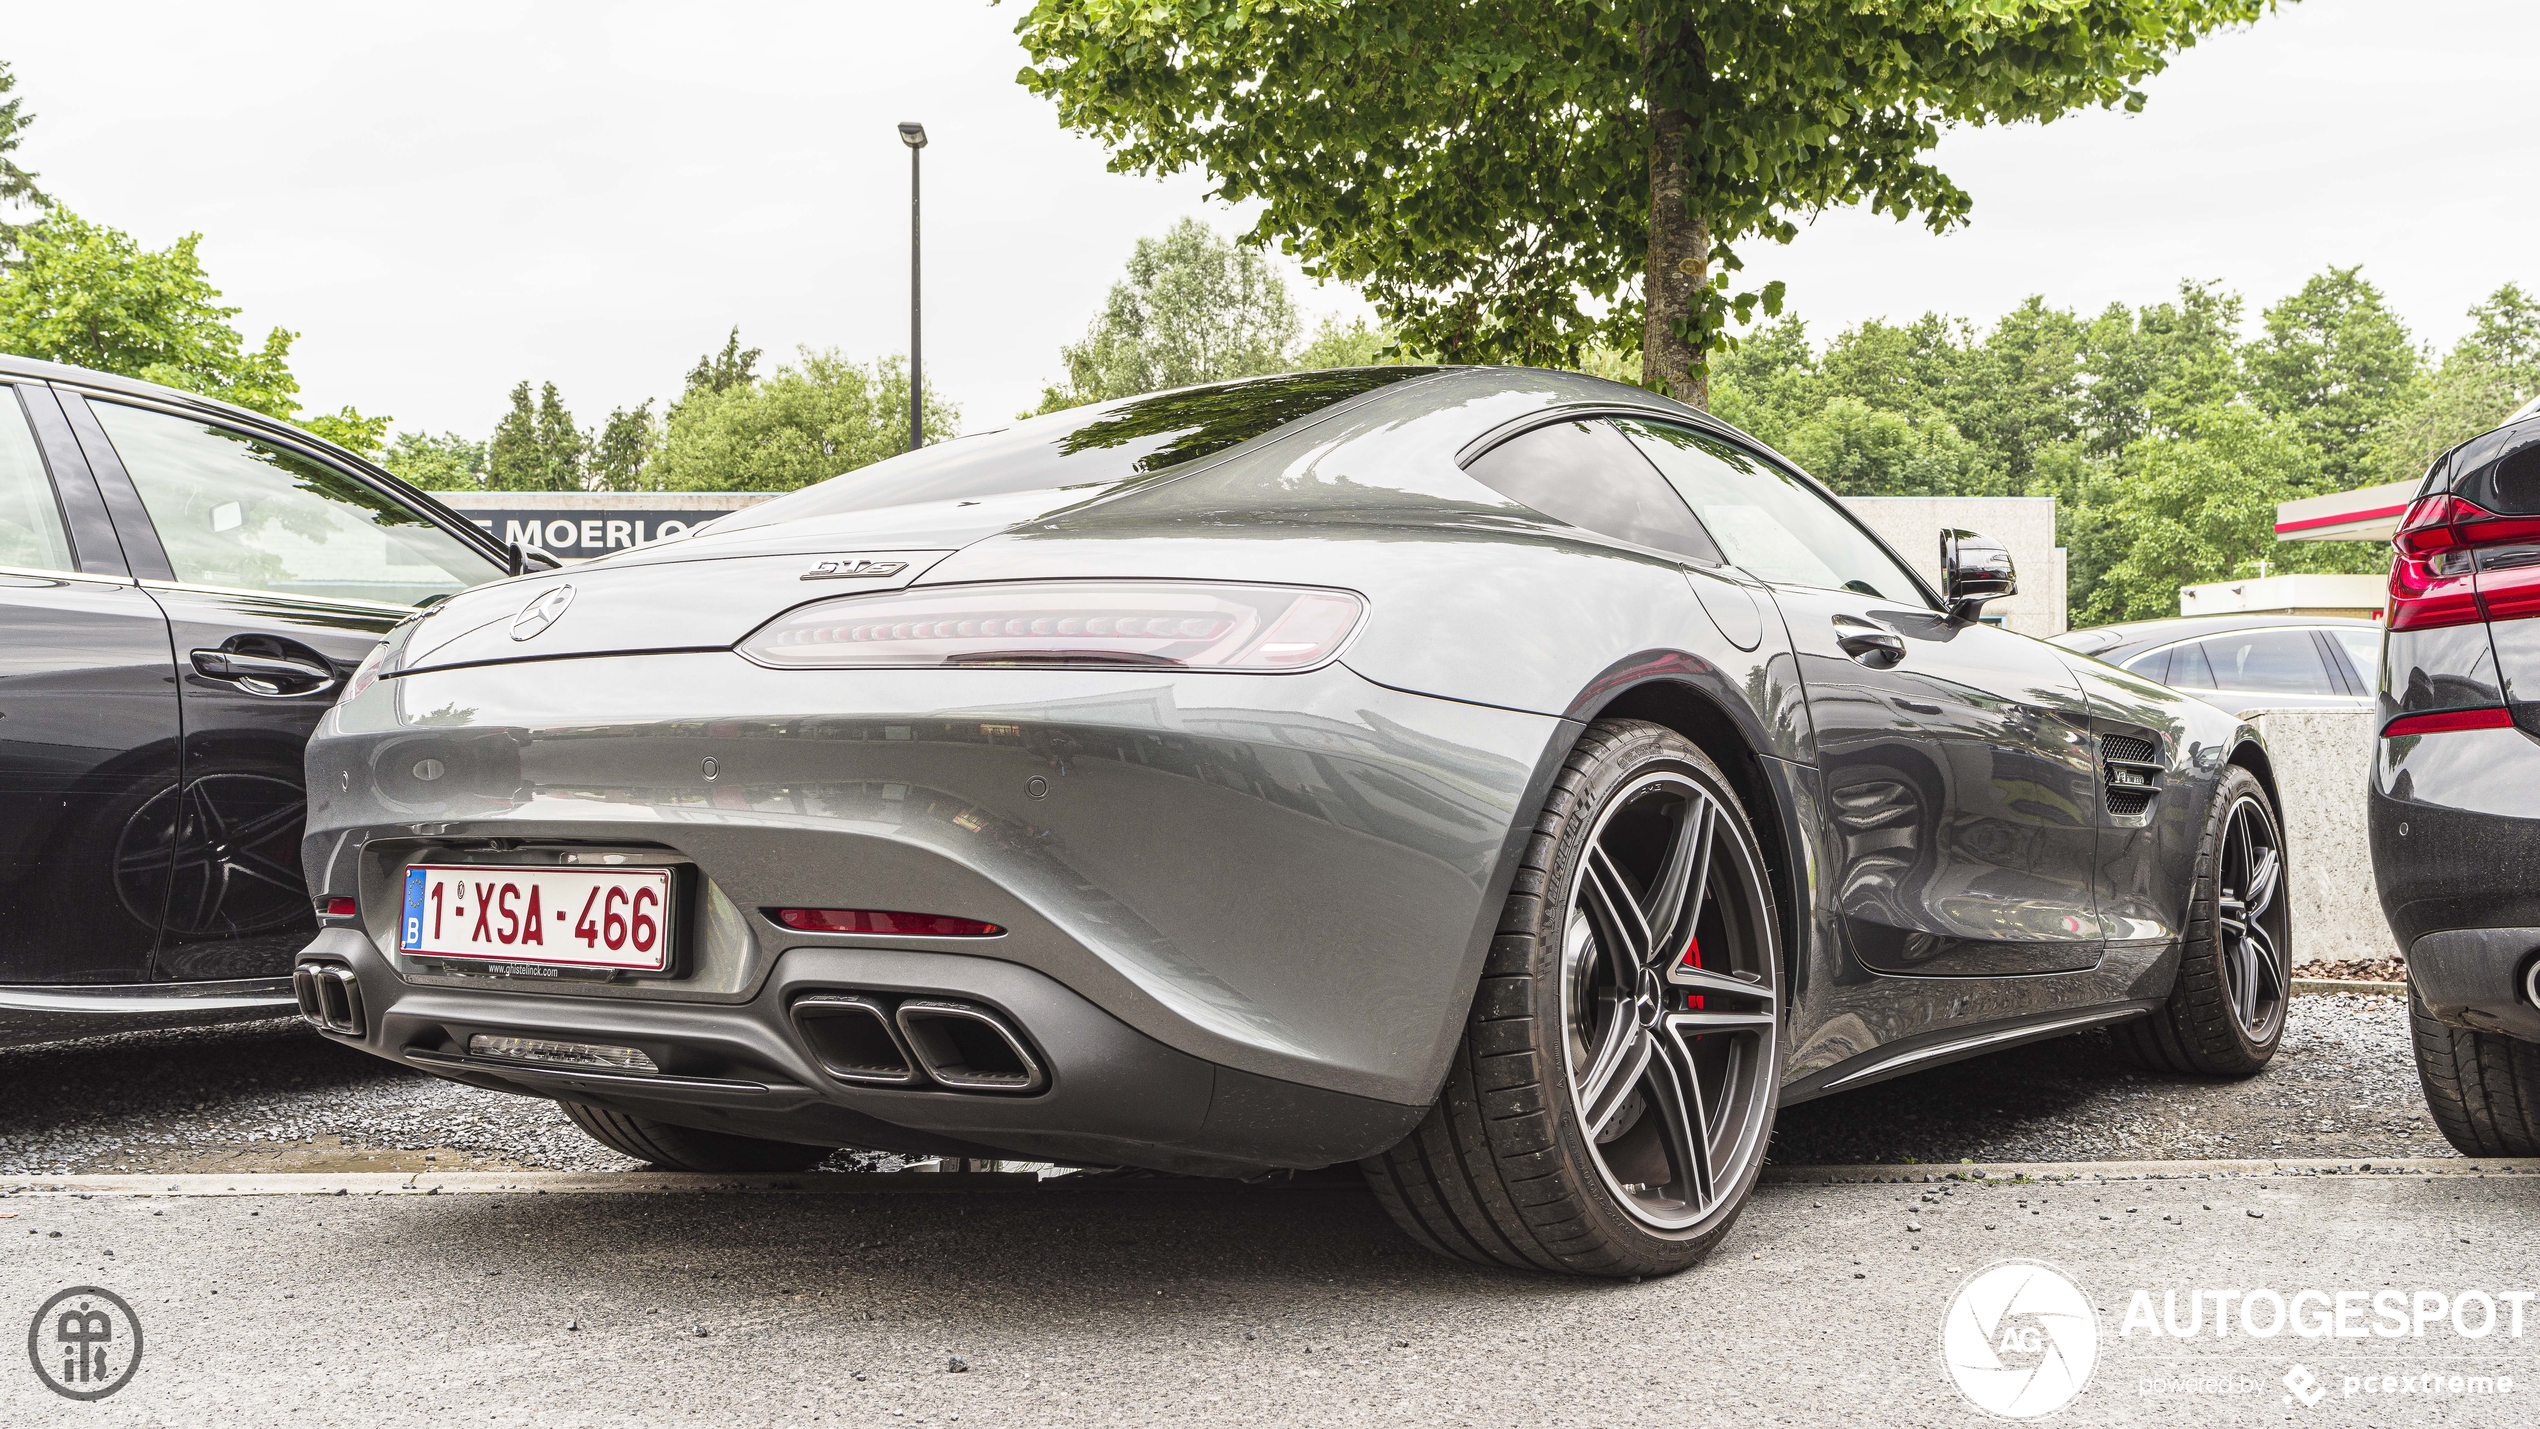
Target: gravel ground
{"x":2343,"y":1084}
{"x":274,"y":1096}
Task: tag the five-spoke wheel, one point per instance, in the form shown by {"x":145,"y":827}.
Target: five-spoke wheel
{"x":2225,"y":1012}
{"x":1608,"y":1108}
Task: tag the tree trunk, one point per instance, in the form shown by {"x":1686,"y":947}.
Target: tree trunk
{"x":1679,"y":239}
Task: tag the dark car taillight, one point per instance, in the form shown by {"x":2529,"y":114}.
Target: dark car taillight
{"x":2439,"y":576}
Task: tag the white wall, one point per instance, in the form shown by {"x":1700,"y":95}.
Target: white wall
{"x":2025,"y":525}
{"x":2322,"y":759}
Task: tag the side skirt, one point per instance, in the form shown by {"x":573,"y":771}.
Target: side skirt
{"x":1915,"y":1054}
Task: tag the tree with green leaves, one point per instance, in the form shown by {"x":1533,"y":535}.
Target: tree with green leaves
{"x":92,"y":296}
{"x":720,"y":372}
{"x":17,"y":184}
{"x":536,"y":446}
{"x":448,"y":462}
{"x":1191,"y":308}
{"x":626,"y":445}
{"x":1522,"y":182}
{"x":808,"y":421}
{"x":2492,"y":370}
{"x":2336,"y":362}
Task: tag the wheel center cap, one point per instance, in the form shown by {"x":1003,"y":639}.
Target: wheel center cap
{"x":1650,"y":999}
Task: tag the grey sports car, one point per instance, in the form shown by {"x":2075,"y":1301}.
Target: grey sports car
{"x":1508,"y":780}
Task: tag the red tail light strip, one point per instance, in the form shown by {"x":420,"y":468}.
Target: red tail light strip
{"x":2447,"y":721}
{"x":874,"y":920}
{"x":2432,"y":583}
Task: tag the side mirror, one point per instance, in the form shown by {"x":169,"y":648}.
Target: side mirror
{"x":1973,"y":570}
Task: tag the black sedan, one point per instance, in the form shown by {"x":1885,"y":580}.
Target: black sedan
{"x":1509,"y":780}
{"x":184,"y":587}
{"x":2246,"y":661}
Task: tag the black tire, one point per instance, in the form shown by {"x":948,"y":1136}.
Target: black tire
{"x":684,"y":1148}
{"x":2212,"y":1026}
{"x":1504,"y":1170}
{"x":2483,"y":1087}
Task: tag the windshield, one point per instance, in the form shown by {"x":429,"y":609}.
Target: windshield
{"x":1093,"y":447}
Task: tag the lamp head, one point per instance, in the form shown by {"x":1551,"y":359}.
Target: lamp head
{"x":913,"y":135}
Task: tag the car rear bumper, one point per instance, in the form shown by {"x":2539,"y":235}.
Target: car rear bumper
{"x":1111,"y":1095}
{"x":1243,"y":916}
{"x":2454,"y":821}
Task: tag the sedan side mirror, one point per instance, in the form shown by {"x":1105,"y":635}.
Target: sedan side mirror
{"x":1973,"y":570}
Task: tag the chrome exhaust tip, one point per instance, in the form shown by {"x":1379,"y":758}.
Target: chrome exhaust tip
{"x":969,"y":1048}
{"x":330,"y":997}
{"x":854,"y":1039}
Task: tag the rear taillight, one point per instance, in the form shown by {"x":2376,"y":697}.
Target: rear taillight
{"x":875,"y":920}
{"x":1190,"y":625}
{"x":2447,"y":721}
{"x":2435,"y":580}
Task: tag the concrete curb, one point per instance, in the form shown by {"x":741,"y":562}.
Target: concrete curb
{"x":2321,"y":986}
{"x":2153,"y":1170}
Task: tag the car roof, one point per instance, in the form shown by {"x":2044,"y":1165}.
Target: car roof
{"x":2107,"y":642}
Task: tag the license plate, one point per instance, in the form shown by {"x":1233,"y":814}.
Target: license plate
{"x":567,"y":917}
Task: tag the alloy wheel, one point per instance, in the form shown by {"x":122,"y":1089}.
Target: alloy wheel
{"x":1670,"y":999}
{"x":2251,"y":914}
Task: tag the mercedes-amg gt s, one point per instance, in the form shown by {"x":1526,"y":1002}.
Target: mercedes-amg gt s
{"x":1508,"y":780}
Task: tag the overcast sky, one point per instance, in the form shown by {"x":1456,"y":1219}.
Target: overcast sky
{"x":444,"y":200}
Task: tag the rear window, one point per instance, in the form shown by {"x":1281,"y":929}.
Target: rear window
{"x":1097,"y":446}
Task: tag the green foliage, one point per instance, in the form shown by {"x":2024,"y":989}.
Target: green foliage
{"x":807,"y":422}
{"x":448,"y":462}
{"x":86,"y":294}
{"x":1863,"y":451}
{"x":626,"y":445}
{"x":720,"y":372}
{"x":2186,"y":508}
{"x":1360,"y":344}
{"x":1192,"y":308}
{"x":2489,"y":373}
{"x":2336,"y":362}
{"x":535,"y":447}
{"x":1485,"y":172}
{"x":17,"y":184}
{"x":349,"y":429}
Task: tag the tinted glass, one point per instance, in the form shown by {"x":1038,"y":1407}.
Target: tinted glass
{"x":2509,"y":481}
{"x":233,"y":511}
{"x":1589,"y":475}
{"x":2189,"y":669}
{"x":2363,"y":651}
{"x":2154,"y":667}
{"x":1086,"y":446}
{"x":1768,"y":521}
{"x":2268,"y":661}
{"x":31,"y":533}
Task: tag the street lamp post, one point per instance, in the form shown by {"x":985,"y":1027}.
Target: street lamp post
{"x":914,"y":136}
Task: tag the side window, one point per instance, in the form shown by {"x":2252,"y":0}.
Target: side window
{"x":1586,"y":474}
{"x":2154,"y":667}
{"x":233,"y":511}
{"x":2268,"y":661}
{"x":2189,"y":669}
{"x":1770,"y":523}
{"x":32,"y":537}
{"x":2363,"y":651}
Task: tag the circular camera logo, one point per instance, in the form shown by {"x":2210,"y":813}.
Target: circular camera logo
{"x":2020,"y":1339}
{"x":85,"y":1342}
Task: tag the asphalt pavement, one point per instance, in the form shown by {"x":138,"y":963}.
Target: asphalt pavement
{"x":1134,"y":1303}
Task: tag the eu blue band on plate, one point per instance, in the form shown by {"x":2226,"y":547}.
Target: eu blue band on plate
{"x":414,"y":908}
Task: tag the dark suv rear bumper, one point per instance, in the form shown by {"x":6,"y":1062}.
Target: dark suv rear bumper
{"x":2455,"y":827}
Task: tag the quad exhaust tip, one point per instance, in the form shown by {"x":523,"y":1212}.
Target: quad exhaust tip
{"x":330,"y":997}
{"x":969,"y":1048}
{"x":911,"y":1042}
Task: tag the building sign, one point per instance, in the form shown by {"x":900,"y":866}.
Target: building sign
{"x":575,"y":526}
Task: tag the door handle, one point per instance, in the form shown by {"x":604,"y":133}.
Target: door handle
{"x":264,"y":674}
{"x":1871,"y":645}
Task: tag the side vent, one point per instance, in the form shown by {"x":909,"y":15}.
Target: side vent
{"x":2130,"y":766}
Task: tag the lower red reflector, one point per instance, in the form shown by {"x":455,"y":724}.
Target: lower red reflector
{"x":342,"y":908}
{"x":874,"y":920}
{"x":2446,"y":721}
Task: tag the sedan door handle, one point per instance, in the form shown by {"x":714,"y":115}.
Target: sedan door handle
{"x":263,"y":674}
{"x":1869,"y":644}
